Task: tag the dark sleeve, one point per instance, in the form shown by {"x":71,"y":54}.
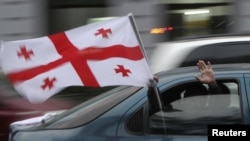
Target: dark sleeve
{"x":218,"y":89}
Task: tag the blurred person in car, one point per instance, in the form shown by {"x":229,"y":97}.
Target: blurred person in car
{"x":206,"y":77}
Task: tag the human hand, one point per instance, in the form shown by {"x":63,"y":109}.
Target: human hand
{"x":154,"y":81}
{"x":207,"y":73}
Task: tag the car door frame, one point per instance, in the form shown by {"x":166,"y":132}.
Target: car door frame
{"x":246,"y":98}
{"x":244,"y":90}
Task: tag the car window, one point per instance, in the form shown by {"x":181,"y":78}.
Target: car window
{"x":220,"y":53}
{"x":190,"y":107}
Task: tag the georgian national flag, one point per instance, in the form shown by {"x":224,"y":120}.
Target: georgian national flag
{"x":99,"y":54}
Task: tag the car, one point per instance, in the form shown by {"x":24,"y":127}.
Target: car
{"x":220,"y":49}
{"x":14,"y":108}
{"x":181,"y":110}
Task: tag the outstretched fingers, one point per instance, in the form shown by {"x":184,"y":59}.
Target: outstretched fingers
{"x":209,"y":65}
{"x":201,"y":65}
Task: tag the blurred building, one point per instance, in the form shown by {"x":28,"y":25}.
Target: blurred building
{"x":157,"y":20}
{"x":22,"y":19}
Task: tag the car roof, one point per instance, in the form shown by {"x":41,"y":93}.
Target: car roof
{"x":218,"y":68}
{"x":202,"y":40}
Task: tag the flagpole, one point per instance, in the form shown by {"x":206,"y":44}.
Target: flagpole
{"x":132,"y":21}
{"x":158,"y":98}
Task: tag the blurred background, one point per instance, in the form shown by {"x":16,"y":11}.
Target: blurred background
{"x":157,"y":20}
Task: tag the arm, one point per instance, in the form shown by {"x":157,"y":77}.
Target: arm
{"x":154,"y":98}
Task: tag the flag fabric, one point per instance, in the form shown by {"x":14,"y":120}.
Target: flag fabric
{"x":101,"y":54}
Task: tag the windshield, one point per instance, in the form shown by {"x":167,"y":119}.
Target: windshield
{"x":91,"y":108}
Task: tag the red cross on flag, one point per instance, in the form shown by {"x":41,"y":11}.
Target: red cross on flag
{"x":99,"y":54}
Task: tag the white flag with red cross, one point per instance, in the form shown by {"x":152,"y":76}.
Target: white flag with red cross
{"x":99,"y":54}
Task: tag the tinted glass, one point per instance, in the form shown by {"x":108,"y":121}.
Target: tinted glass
{"x":221,"y":53}
{"x":91,"y":109}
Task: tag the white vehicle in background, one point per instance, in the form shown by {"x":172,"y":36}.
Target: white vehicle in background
{"x":217,"y":50}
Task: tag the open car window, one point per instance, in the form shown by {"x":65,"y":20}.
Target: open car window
{"x":190,"y":107}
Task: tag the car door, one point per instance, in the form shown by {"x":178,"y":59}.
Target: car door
{"x":181,"y":130}
{"x":135,"y":125}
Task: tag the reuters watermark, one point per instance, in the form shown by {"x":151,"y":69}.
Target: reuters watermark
{"x":238,"y":131}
